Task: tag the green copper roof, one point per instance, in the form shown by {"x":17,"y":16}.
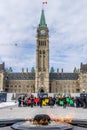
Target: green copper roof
{"x":42,"y":20}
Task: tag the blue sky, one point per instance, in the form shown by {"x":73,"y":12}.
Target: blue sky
{"x":67,"y":23}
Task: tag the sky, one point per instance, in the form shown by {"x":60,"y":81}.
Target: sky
{"x":67,"y":23}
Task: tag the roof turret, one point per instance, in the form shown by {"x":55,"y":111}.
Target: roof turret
{"x":42,"y":20}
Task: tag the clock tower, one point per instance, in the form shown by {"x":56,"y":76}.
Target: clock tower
{"x":42,"y":56}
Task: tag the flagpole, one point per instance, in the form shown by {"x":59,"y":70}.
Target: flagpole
{"x":42,"y":6}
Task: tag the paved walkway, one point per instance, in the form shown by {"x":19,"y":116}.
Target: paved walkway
{"x":57,"y":112}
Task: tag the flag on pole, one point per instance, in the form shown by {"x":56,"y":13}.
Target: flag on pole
{"x":44,"y":2}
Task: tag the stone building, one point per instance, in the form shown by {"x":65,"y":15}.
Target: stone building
{"x":42,"y":80}
{"x":1,"y":76}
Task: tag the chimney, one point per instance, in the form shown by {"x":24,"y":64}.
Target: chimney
{"x":27,"y":70}
{"x":62,"y":70}
{"x":57,"y":70}
{"x":3,"y":64}
{"x":2,"y":67}
{"x":22,"y":70}
{"x":81,"y":65}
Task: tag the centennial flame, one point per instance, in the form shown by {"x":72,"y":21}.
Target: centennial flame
{"x":67,"y":119}
{"x":35,"y":122}
{"x":56,"y":119}
{"x":28,"y":119}
{"x":41,"y":122}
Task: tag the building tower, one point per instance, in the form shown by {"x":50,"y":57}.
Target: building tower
{"x":42,"y":56}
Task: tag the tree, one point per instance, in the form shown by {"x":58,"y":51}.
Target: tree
{"x":52,"y":70}
{"x":32,"y":70}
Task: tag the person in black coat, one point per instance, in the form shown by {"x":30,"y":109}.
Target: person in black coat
{"x":19,"y":102}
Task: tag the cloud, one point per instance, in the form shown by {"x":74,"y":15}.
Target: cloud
{"x":66,"y":21}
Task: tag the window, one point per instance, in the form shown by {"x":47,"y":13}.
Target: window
{"x":7,"y":86}
{"x":6,"y":89}
{"x":77,"y":90}
{"x":40,"y":51}
{"x":39,"y":68}
{"x":39,"y":43}
{"x":43,"y":51}
{"x":44,"y":69}
{"x":45,"y":43}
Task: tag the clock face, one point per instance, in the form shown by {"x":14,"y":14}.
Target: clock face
{"x":42,"y":31}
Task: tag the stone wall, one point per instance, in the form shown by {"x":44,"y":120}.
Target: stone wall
{"x":20,"y":86}
{"x":1,"y":81}
{"x":83,"y":82}
{"x":65,"y":86}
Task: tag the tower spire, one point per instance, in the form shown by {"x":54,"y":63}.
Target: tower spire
{"x":42,"y":20}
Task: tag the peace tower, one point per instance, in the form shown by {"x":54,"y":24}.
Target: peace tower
{"x":42,"y":56}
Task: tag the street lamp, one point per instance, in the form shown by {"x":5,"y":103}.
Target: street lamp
{"x":83,"y":90}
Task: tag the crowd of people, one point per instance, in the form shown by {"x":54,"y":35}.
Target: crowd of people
{"x":51,"y":101}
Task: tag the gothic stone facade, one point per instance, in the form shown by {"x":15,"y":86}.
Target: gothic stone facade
{"x":58,"y":82}
{"x":42,"y":80}
{"x":1,"y":76}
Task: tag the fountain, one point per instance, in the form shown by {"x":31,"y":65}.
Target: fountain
{"x":41,"y":122}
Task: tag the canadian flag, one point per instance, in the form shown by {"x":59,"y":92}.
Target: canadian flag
{"x":44,"y":2}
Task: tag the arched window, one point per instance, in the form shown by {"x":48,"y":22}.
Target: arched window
{"x":7,"y":86}
{"x":39,"y":43}
{"x":43,"y":51}
{"x":45,"y":43}
{"x":11,"y":86}
{"x":40,"y":51}
{"x":19,"y":86}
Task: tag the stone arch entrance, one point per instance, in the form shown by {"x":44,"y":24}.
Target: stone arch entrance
{"x":41,"y":90}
